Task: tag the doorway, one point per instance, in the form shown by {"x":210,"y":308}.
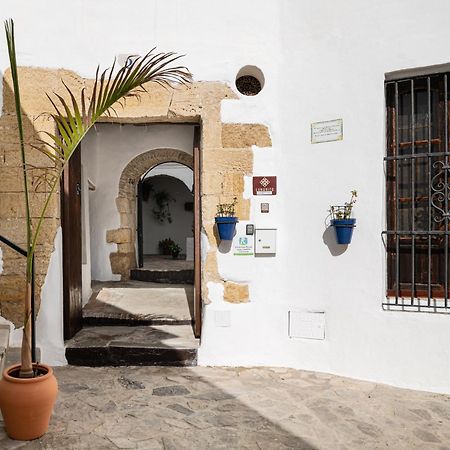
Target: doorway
{"x":165,"y":219}
{"x":135,"y":243}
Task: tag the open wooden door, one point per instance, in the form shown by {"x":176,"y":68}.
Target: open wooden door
{"x":197,"y":236}
{"x":140,"y":226}
{"x":72,"y":259}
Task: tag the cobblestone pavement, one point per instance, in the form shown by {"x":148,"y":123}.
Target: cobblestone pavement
{"x":220,"y":408}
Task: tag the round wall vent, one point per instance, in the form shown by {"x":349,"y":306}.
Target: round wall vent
{"x":250,"y":80}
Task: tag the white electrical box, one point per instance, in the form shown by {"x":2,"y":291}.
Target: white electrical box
{"x":265,"y":241}
{"x":307,"y":324}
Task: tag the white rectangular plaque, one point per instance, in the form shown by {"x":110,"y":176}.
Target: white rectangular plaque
{"x":331,"y":130}
{"x":307,"y":324}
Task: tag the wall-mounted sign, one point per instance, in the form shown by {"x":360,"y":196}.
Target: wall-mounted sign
{"x":264,"y":207}
{"x":243,"y":246}
{"x":331,"y":130}
{"x":264,"y":185}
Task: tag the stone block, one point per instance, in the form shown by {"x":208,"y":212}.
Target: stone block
{"x":10,"y":179}
{"x":123,"y":205}
{"x":232,"y":183}
{"x":235,"y":292}
{"x":121,"y":263}
{"x":209,"y":207}
{"x":12,"y":287}
{"x":12,"y":205}
{"x":245,"y":135}
{"x":119,"y":236}
{"x":231,"y":159}
{"x":12,"y":310}
{"x":210,"y":272}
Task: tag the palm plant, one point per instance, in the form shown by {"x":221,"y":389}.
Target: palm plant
{"x":73,"y":119}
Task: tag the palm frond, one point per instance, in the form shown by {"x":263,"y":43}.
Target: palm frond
{"x":74,"y":118}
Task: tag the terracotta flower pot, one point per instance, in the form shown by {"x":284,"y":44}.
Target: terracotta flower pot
{"x":27,"y":403}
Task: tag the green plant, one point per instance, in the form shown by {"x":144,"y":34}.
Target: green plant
{"x":345,"y":211}
{"x":227,"y":209}
{"x":73,"y":119}
{"x":175,"y":250}
{"x":162,"y":210}
{"x":164,"y":246}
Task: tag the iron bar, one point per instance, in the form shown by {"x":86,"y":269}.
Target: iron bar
{"x":416,"y":232}
{"x":446,"y":192}
{"x":413,"y":206}
{"x":397,"y":202}
{"x":429,"y":187}
{"x":416,"y":156}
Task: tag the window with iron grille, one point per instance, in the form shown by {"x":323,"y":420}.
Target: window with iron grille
{"x":417,"y":194}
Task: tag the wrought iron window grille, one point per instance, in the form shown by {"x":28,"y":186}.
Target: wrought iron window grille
{"x":417,"y":168}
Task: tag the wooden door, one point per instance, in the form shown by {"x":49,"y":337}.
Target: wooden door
{"x":71,"y":228}
{"x":140,"y":226}
{"x":197,"y":235}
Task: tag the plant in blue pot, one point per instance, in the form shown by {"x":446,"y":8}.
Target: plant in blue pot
{"x":342,"y":221}
{"x":226,"y":220}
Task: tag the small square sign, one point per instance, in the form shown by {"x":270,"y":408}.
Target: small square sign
{"x":266,"y":185}
{"x":243,"y":246}
{"x":264,"y":207}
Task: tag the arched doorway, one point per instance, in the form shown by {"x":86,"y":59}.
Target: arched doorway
{"x":125,"y":258}
{"x":165,"y":220}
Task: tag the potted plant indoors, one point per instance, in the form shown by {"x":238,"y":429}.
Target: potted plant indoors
{"x":175,"y":250}
{"x":28,"y":390}
{"x":164,"y":246}
{"x":226,"y":220}
{"x":342,"y":221}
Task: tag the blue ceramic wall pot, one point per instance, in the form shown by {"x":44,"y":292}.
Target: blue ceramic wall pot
{"x":226,"y":226}
{"x":344,"y":229}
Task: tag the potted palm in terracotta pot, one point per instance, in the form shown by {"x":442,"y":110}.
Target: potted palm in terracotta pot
{"x":28,"y":389}
{"x":342,"y":221}
{"x":226,"y":220}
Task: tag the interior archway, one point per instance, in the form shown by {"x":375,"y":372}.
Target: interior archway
{"x":125,"y":237}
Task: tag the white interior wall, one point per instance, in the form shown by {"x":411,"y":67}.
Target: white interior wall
{"x":182,"y":221}
{"x":86,"y":238}
{"x":321,"y":60}
{"x":106,"y":151}
{"x":177,"y":170}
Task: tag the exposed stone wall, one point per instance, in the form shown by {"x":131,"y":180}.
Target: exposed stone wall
{"x":226,"y":158}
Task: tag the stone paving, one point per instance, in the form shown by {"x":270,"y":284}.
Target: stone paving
{"x":236,"y":408}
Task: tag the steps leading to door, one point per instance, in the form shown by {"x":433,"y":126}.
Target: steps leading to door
{"x":134,"y":303}
{"x":166,"y":345}
{"x":182,"y":276}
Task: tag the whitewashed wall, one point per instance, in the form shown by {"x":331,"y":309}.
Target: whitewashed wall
{"x":322,"y":60}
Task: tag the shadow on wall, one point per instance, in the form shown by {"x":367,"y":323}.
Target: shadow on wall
{"x":329,"y":239}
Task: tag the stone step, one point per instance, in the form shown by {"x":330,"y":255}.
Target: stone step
{"x":134,"y":303}
{"x":92,"y":320}
{"x":164,"y":345}
{"x":182,"y":276}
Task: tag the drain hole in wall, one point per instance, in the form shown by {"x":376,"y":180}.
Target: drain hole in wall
{"x":250,"y":80}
